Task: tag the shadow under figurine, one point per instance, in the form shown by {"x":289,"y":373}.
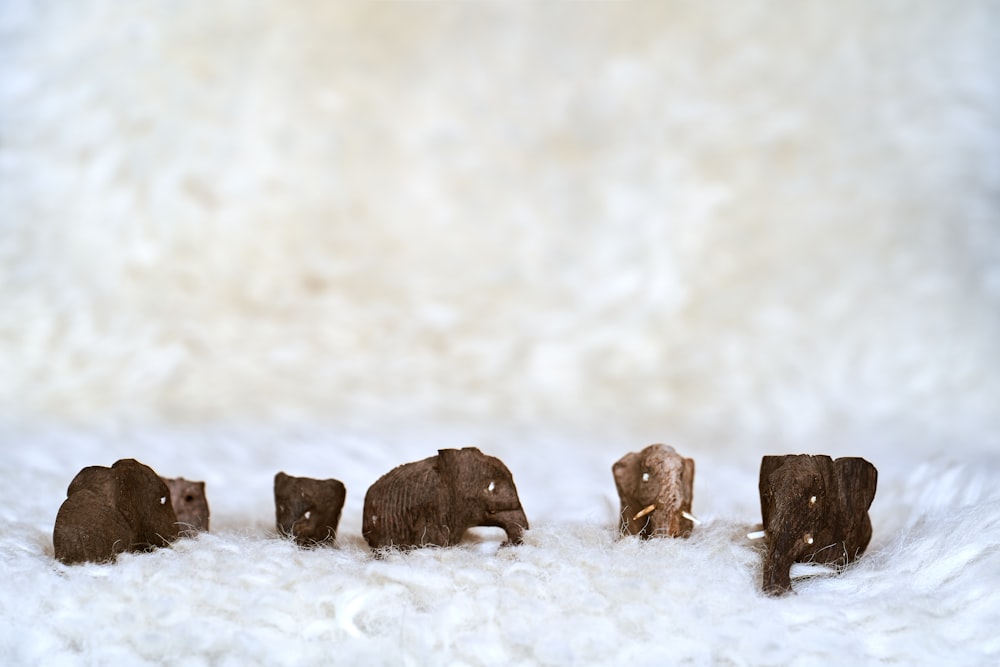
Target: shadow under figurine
{"x":308,"y":509}
{"x":434,"y":501}
{"x":189,"y":502}
{"x":655,"y":488}
{"x":108,"y":511}
{"x":815,"y":509}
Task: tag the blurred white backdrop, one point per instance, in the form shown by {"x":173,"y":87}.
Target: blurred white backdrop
{"x":723,"y":222}
{"x":245,"y":236}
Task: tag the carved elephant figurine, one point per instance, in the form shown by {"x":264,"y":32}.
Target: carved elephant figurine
{"x":308,"y":509}
{"x":434,"y":501}
{"x":111,"y":510}
{"x":655,"y":488}
{"x":189,"y":502}
{"x":814,"y":509}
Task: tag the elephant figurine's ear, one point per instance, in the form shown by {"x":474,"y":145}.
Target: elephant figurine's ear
{"x":857,"y":479}
{"x":768,"y":464}
{"x":625,"y":472}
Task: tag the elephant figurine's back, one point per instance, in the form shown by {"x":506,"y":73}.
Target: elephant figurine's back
{"x":403,"y":508}
{"x":435,"y":500}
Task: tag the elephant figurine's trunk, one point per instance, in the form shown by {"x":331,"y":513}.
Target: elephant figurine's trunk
{"x":778,"y":561}
{"x":514,"y":523}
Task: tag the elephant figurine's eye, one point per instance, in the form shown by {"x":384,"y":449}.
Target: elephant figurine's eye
{"x":163,"y":500}
{"x":812,"y":500}
{"x":645,"y":476}
{"x":808,"y":538}
{"x":307,"y":514}
{"x":491,"y":487}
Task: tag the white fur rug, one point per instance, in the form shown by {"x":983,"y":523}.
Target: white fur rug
{"x":330,"y":238}
{"x":925,"y":592}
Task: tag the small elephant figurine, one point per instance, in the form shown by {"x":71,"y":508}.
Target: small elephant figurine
{"x":815,"y":509}
{"x":434,"y":501}
{"x":111,"y":510}
{"x":190,"y":503}
{"x":308,"y":509}
{"x":655,"y":488}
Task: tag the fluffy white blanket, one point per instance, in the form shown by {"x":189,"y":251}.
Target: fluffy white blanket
{"x":330,"y":238}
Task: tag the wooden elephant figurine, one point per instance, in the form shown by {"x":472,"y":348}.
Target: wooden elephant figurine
{"x":434,"y":501}
{"x":815,"y":509}
{"x":308,"y":509}
{"x":655,"y":487}
{"x":108,"y":511}
{"x":190,"y":503}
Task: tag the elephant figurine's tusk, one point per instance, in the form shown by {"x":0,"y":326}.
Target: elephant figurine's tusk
{"x":691,"y":517}
{"x":757,"y":534}
{"x":646,"y":510}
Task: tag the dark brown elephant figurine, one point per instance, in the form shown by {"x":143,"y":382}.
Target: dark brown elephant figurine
{"x":108,"y":511}
{"x":815,"y":509}
{"x":308,"y":509}
{"x":434,"y":501}
{"x":655,"y":488}
{"x":190,"y":503}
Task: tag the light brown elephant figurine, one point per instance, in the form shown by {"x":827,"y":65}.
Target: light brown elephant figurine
{"x":655,"y":487}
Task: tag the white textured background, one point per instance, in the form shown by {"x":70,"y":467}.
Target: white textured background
{"x":238,"y":237}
